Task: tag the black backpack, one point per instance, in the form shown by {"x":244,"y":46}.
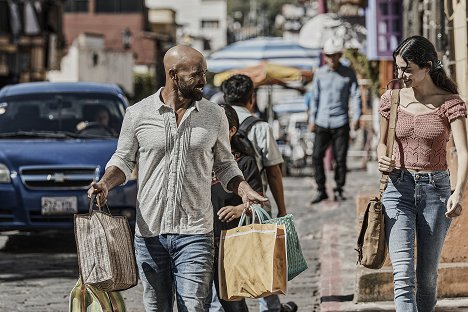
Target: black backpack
{"x":245,"y":144}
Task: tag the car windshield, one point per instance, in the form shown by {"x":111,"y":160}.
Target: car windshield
{"x":62,"y":115}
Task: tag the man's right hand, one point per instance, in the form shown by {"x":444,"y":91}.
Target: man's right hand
{"x":101,"y":191}
{"x":312,"y":127}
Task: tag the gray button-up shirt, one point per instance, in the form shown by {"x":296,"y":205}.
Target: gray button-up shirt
{"x":174,"y":164}
{"x":331,"y":92}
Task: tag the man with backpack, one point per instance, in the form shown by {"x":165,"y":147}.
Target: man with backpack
{"x":239,"y":93}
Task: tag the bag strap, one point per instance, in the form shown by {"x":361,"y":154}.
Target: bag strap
{"x":360,"y":240}
{"x":262,"y":214}
{"x":247,"y":124}
{"x":390,"y":136}
{"x":245,"y":219}
{"x":93,"y":200}
{"x":257,"y":211}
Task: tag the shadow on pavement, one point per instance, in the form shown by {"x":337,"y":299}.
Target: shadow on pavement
{"x":337,"y":298}
{"x":26,"y":256}
{"x":50,"y":242}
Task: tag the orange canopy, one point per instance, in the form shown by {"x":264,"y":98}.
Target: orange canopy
{"x":266,"y":74}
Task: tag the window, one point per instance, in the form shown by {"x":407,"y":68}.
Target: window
{"x":4,"y":17}
{"x":119,"y":6}
{"x":206,"y":44}
{"x":76,"y":6}
{"x":384,"y":8}
{"x":388,"y":26}
{"x":214,"y":24}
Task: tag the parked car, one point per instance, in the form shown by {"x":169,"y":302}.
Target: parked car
{"x":55,"y":140}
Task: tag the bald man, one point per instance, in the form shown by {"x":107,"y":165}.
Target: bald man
{"x":177,"y":138}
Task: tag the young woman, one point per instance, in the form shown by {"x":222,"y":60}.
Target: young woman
{"x":418,"y":200}
{"x":228,"y":207}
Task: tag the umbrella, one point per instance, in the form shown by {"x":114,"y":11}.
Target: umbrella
{"x":266,"y":74}
{"x":275,"y":50}
{"x":316,"y":31}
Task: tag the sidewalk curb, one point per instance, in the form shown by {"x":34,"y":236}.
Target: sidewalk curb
{"x":330,"y":269}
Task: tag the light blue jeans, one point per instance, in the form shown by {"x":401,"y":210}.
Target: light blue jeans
{"x":180,"y":264}
{"x":415,"y":206}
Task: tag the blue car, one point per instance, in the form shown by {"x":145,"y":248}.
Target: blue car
{"x":55,"y":140}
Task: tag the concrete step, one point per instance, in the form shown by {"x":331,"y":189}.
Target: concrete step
{"x":443,"y":305}
{"x":339,"y":278}
{"x":377,"y":285}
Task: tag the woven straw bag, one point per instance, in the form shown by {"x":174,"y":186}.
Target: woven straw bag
{"x":105,"y":250}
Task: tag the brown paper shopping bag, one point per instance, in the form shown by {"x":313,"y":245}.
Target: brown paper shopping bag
{"x":252,"y":262}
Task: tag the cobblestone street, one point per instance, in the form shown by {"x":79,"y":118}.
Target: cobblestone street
{"x":148,"y":104}
{"x":37,"y":272}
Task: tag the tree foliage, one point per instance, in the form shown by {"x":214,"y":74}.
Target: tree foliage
{"x":144,"y":86}
{"x":364,"y":68}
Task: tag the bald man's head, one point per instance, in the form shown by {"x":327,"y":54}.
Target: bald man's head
{"x":181,"y":55}
{"x":185,"y":71}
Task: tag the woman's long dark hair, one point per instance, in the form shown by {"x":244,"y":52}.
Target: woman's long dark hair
{"x":233,"y":120}
{"x":421,"y":51}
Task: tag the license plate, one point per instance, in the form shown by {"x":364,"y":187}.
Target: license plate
{"x":59,"y":205}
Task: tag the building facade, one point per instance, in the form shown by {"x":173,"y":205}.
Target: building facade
{"x":458,"y":38}
{"x":201,"y":23}
{"x":122,"y":23}
{"x":89,"y":60}
{"x":31,"y":39}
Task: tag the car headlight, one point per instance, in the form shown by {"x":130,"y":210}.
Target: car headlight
{"x":4,"y":174}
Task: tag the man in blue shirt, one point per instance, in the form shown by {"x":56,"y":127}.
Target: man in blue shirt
{"x":333,"y":87}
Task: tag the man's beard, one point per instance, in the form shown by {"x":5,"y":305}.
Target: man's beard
{"x":189,"y":93}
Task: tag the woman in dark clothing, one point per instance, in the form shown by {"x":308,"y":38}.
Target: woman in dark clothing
{"x":228,"y":207}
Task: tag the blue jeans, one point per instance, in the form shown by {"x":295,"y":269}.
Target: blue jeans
{"x":415,"y":206}
{"x":180,"y":264}
{"x":215,"y":305}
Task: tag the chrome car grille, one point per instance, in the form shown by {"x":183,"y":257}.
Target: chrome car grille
{"x":58,"y":177}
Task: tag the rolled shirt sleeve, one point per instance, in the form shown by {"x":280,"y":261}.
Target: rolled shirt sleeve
{"x":124,"y":157}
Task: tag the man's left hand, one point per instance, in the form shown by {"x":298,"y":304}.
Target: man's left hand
{"x":356,"y":125}
{"x":249,"y":196}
